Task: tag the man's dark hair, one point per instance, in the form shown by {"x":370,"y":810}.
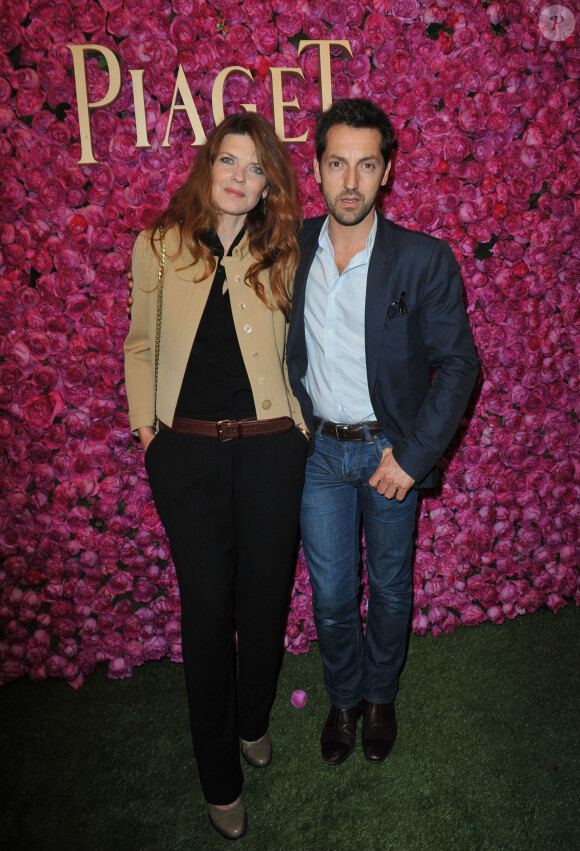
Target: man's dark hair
{"x":360,"y":114}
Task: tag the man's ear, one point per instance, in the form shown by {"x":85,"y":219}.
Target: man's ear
{"x":386,"y":174}
{"x":317,"y":176}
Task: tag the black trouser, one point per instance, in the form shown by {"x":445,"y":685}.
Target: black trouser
{"x":230,"y":510}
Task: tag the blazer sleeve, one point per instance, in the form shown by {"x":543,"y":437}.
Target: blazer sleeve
{"x":297,"y":415}
{"x":447,"y":338}
{"x":139,"y":351}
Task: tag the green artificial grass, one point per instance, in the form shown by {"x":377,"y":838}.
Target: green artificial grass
{"x":486,"y":758}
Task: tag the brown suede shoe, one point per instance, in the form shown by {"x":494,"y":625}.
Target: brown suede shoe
{"x":379,"y":730}
{"x":339,"y":734}
{"x":231,"y":823}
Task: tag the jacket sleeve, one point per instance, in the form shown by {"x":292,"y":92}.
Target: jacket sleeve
{"x":139,"y":351}
{"x":297,"y":415}
{"x":447,"y":338}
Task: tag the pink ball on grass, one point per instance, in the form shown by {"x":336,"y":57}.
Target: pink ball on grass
{"x":299,"y":698}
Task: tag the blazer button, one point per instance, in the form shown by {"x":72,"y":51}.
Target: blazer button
{"x":242,"y":305}
{"x":266,"y":404}
{"x":238,"y":279}
{"x":248,"y":329}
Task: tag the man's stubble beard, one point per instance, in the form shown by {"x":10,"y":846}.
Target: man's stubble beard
{"x":343,"y":217}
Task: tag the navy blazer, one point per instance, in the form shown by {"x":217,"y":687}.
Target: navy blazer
{"x":418,"y":417}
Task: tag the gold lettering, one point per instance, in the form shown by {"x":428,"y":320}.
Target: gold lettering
{"x":182,"y":88}
{"x":279,"y":104}
{"x":217,"y":92}
{"x":83,"y":104}
{"x":325,"y":67}
{"x":140,"y":111}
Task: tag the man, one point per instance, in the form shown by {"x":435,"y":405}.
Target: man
{"x":376,"y":309}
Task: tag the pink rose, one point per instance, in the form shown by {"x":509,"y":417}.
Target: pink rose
{"x":471,"y":615}
{"x":41,"y":410}
{"x":290,"y":24}
{"x":405,"y":10}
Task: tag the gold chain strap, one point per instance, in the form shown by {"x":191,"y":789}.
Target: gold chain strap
{"x":160,"y":278}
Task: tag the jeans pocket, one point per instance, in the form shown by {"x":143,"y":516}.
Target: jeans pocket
{"x":381,"y":443}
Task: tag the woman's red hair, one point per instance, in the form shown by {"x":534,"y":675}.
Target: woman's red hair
{"x":271,"y":226}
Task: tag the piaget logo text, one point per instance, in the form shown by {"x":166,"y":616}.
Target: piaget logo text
{"x":182,"y":90}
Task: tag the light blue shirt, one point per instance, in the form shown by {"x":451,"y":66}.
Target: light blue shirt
{"x":334,"y":316}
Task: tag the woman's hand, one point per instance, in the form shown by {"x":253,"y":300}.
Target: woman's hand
{"x":304,"y":429}
{"x":129,"y":298}
{"x":146,"y":435}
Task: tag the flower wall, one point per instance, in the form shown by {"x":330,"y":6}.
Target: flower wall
{"x":485,"y":98}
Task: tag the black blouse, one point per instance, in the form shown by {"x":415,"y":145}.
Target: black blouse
{"x":216,"y":385}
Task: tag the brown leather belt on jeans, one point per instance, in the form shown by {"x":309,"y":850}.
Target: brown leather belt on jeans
{"x":348,"y":431}
{"x":229,"y":429}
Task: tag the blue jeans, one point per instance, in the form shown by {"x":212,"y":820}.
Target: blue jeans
{"x":336,"y":495}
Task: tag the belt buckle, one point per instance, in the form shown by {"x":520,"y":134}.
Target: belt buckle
{"x":341,"y":431}
{"x":220,"y":430}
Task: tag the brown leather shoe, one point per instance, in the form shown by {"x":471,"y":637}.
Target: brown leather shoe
{"x":231,"y":823}
{"x":339,"y":734}
{"x":258,"y":753}
{"x":379,"y":730}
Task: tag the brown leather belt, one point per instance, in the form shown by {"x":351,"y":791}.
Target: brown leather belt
{"x":229,"y":429}
{"x":348,"y":431}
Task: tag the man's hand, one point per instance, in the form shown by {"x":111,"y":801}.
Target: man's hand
{"x":389,"y":479}
{"x":129,"y":299}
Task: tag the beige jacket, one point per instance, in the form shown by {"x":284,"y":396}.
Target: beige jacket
{"x":261,"y":333}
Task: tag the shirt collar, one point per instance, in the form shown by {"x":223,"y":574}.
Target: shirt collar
{"x":325,"y":243}
{"x":213,"y":242}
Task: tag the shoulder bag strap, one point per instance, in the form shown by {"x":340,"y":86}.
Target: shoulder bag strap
{"x":160,"y":279}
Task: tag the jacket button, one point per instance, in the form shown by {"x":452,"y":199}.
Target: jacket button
{"x":242,"y":305}
{"x":254,"y":354}
{"x":266,"y":404}
{"x":238,"y":279}
{"x":248,"y":329}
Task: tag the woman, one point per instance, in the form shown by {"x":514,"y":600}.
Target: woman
{"x":226,"y":467}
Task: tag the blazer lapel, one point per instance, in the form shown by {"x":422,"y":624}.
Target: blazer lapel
{"x":379,"y":296}
{"x":308,"y":240}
